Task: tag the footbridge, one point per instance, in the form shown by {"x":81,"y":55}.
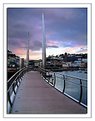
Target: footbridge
{"x":34,"y":91}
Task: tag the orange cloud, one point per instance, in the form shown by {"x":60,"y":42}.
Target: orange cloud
{"x":35,"y":55}
{"x":20,"y":51}
{"x":32,"y":54}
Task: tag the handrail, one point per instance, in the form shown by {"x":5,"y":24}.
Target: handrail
{"x":14,"y":80}
{"x":15,"y":74}
{"x":9,"y":82}
{"x":53,"y":80}
{"x":12,"y":85}
{"x":71,"y":81}
{"x":73,"y":76}
{"x":44,"y":70}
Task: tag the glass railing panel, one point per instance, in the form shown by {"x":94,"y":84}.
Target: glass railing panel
{"x":72,"y":87}
{"x":84,"y":92}
{"x":59,"y":83}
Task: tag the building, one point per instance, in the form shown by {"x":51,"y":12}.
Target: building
{"x":66,"y":64}
{"x":22,"y":63}
{"x":13,"y":61}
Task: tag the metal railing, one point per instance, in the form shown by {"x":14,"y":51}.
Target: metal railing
{"x":12,"y":86}
{"x":71,"y":86}
{"x":67,"y":82}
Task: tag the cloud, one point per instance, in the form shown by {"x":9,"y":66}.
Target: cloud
{"x":35,"y":55}
{"x":65,"y":27}
{"x":52,"y":44}
{"x":82,"y":50}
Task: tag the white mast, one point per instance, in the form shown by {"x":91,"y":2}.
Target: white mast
{"x":43,"y":43}
{"x":27,"y":58}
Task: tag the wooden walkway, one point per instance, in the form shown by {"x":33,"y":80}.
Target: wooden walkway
{"x":35,"y":96}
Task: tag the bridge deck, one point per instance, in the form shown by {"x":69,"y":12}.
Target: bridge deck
{"x":36,"y":96}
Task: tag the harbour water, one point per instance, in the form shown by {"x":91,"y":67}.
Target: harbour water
{"x":72,"y":85}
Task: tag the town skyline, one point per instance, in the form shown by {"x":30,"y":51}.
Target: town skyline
{"x":66,"y":31}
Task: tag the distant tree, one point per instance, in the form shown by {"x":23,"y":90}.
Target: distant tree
{"x":57,"y":56}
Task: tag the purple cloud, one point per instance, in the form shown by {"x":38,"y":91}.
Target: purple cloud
{"x":66,"y":26}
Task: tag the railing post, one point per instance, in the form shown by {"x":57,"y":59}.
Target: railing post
{"x":14,"y":88}
{"x":54,"y":80}
{"x":48,"y":78}
{"x":17,"y":80}
{"x":9,"y":99}
{"x":80,"y":91}
{"x":64,"y":83}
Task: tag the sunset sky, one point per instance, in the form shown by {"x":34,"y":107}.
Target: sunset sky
{"x":66,"y":31}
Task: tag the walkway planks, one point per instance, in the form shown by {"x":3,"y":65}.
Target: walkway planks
{"x":35,"y":96}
